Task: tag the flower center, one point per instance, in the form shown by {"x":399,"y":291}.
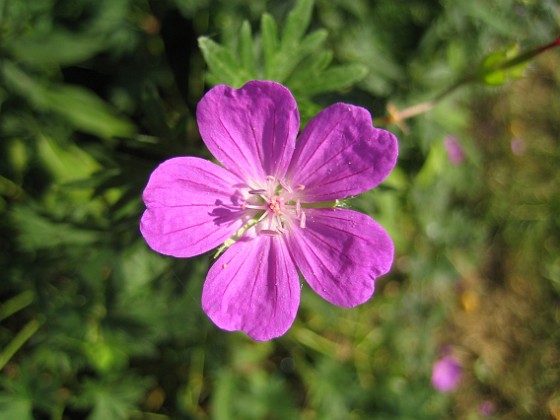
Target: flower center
{"x":274,"y":205}
{"x":278,"y":204}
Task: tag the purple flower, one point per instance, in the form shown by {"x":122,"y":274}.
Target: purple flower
{"x":454,"y":150}
{"x":274,"y":200}
{"x":446,"y":374}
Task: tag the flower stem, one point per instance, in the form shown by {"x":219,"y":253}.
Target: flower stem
{"x":315,"y":341}
{"x":396,"y":116}
{"x":16,"y":304}
{"x":19,"y":340}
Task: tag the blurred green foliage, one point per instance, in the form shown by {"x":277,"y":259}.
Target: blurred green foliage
{"x":95,"y":94}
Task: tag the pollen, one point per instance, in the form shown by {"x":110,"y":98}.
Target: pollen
{"x":274,"y":206}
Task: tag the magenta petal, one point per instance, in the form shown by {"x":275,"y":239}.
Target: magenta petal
{"x":340,"y":154}
{"x":251,"y":130}
{"x":253,"y":287}
{"x":340,"y":253}
{"x":192,"y":207}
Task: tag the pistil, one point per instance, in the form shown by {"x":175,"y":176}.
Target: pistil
{"x":279,"y":204}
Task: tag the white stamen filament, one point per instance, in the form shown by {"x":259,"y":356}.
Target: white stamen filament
{"x":279,"y":204}
{"x":302,"y":220}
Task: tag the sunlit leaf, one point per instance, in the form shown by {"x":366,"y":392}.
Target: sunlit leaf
{"x":495,"y":70}
{"x":296,"y":24}
{"x":246,"y":50}
{"x":298,"y":60}
{"x":105,"y":356}
{"x":65,"y":163}
{"x":222,"y":64}
{"x":332,"y":79}
{"x":287,"y":62}
{"x":270,"y":42}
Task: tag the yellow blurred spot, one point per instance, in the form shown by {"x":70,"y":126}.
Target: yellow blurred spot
{"x":554,"y":407}
{"x":469,"y":300}
{"x":517,"y":128}
{"x":394,"y":117}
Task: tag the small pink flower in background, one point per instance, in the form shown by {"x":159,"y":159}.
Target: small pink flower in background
{"x":454,"y":150}
{"x":274,"y":201}
{"x":487,"y":408}
{"x":517,"y":146}
{"x":446,"y":374}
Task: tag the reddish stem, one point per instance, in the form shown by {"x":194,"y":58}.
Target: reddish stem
{"x":555,"y":43}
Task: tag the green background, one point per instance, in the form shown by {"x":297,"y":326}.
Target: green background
{"x":95,"y":94}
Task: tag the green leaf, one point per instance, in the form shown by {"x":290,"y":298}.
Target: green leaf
{"x":269,"y":31}
{"x":65,"y":163}
{"x":223,"y":395}
{"x":333,"y":79}
{"x":246,"y":50}
{"x":113,"y":400}
{"x":39,"y":232}
{"x":320,"y":61}
{"x":139,"y":266}
{"x":296,"y":24}
{"x":94,"y":180}
{"x":310,"y":67}
{"x":87,"y":112}
{"x":60,"y":47}
{"x":496,"y":70}
{"x":433,"y":166}
{"x":23,"y":84}
{"x":223,"y":66}
{"x":84,"y":110}
{"x":289,"y":60}
{"x":12,"y":407}
{"x":106,"y":356}
{"x":299,"y":61}
{"x":46,"y":41}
